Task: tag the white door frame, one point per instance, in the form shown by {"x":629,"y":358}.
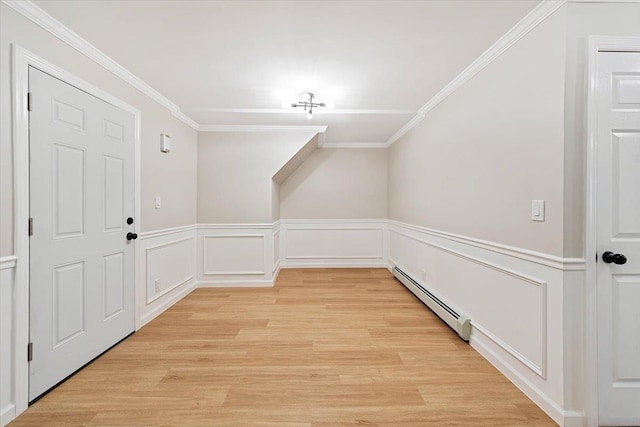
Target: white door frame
{"x":22,"y":59}
{"x":596,"y":44}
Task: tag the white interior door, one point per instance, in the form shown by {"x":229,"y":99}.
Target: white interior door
{"x":618,"y":218}
{"x":81,"y":195}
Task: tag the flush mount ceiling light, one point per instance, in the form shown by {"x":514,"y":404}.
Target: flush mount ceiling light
{"x":308,"y":104}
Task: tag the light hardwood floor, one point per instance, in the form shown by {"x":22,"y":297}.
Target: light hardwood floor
{"x":324,"y":347}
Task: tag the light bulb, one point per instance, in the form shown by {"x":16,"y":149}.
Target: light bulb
{"x":309,"y":115}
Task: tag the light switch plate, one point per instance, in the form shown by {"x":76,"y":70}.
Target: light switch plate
{"x":158,"y":202}
{"x":537,"y":210}
{"x":165,"y":143}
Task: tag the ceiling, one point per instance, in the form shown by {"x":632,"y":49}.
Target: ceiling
{"x":236,"y":62}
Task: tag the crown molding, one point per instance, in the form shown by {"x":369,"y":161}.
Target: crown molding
{"x":261,"y":128}
{"x":323,"y":111}
{"x":47,"y":22}
{"x":541,"y":12}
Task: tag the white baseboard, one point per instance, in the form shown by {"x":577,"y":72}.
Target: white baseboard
{"x":531,"y":391}
{"x":574,"y":419}
{"x":236,"y":284}
{"x":167,"y":303}
{"x":335,"y":264}
{"x":7,"y":415}
{"x":276,"y":272}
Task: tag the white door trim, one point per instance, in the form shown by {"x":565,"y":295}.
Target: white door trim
{"x":596,"y":44}
{"x":22,"y":59}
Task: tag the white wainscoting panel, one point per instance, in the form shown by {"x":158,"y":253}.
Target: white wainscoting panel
{"x":235,"y":255}
{"x":168,"y":272}
{"x":514,"y":302}
{"x":7,"y":349}
{"x":276,"y":249}
{"x":333,"y":243}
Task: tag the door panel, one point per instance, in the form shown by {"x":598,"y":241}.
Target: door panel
{"x":626,"y":328}
{"x":69,"y":197}
{"x":69,"y":302}
{"x":81,"y":265}
{"x":113,"y":193}
{"x":618,"y":218}
{"x":626,"y":191}
{"x":114,"y":282}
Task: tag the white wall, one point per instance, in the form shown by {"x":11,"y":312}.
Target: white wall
{"x":235,"y":171}
{"x":337,"y":183}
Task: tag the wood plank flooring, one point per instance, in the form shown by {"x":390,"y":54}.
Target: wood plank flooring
{"x":324,"y":347}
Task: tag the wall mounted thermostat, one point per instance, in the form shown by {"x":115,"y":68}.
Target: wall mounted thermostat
{"x":165,"y":143}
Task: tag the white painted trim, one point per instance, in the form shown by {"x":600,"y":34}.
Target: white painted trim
{"x":261,"y":226}
{"x":231,"y":272}
{"x":319,"y":111}
{"x":22,"y":60}
{"x":41,"y":18}
{"x":156,"y":296}
{"x":7,"y":414}
{"x":235,"y":284}
{"x":354,"y":145}
{"x":506,"y":347}
{"x":166,"y":231}
{"x":276,"y":256}
{"x":541,"y":12}
{"x":540,"y":370}
{"x":148,"y":317}
{"x":261,"y":128}
{"x":332,"y":222}
{"x":332,"y":257}
{"x":560,"y":263}
{"x":8,"y":262}
{"x":546,"y":403}
{"x":329,"y":264}
{"x":596,"y":44}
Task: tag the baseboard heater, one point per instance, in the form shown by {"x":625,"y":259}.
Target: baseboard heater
{"x":458,"y":322}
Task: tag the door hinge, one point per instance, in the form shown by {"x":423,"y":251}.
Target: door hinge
{"x":29,"y":352}
{"x":29,"y":101}
{"x":30,"y":226}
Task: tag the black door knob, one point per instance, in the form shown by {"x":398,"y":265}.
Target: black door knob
{"x":132,"y":236}
{"x":610,"y":257}
{"x":129,"y":220}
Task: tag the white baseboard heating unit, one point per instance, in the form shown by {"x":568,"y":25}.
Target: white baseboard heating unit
{"x":458,"y":322}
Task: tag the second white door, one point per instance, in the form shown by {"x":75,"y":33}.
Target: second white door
{"x":618,"y":218}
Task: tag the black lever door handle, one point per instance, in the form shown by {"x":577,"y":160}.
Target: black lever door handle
{"x":610,"y":257}
{"x":132,"y":236}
